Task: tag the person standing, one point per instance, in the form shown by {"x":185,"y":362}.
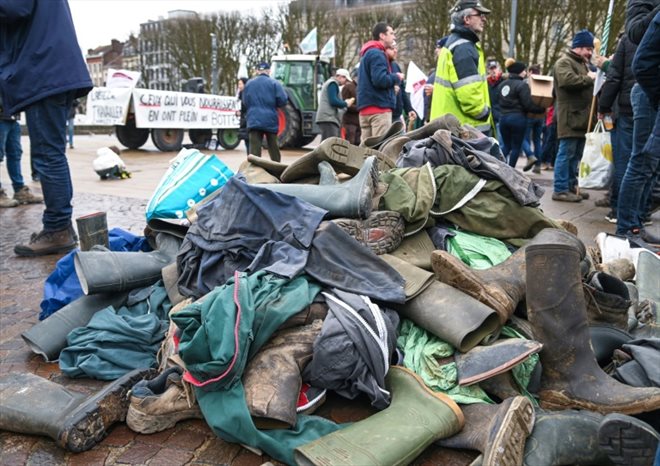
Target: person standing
{"x":402,"y":97}
{"x":242,"y":126}
{"x":460,"y":84}
{"x":262,"y":96}
{"x":430,"y":80}
{"x":331,"y":106}
{"x":11,"y":150}
{"x":574,"y":85}
{"x":535,"y":125}
{"x":350,"y":121}
{"x":515,"y":102}
{"x":376,"y":98}
{"x":44,"y":85}
{"x":70,"y":121}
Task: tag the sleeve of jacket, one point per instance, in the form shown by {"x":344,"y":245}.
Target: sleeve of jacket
{"x":568,"y":79}
{"x":472,"y":102}
{"x":379,"y":72}
{"x":13,"y":10}
{"x":612,"y":86}
{"x":526,"y":100}
{"x":333,"y":96}
{"x":280,"y":95}
{"x":639,"y":14}
{"x":647,"y":61}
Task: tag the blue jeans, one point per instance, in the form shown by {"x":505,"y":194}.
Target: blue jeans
{"x":46,"y":121}
{"x":533,"y":135}
{"x":638,"y":179}
{"x":512,"y":127}
{"x":567,"y":163}
{"x":10,"y":146}
{"x":622,"y":137}
{"x":69,"y":130}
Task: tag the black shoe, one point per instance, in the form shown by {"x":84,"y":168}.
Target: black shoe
{"x":611,"y":217}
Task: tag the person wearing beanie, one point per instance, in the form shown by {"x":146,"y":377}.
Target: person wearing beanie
{"x":460,"y":86}
{"x":515,"y":101}
{"x":574,"y":85}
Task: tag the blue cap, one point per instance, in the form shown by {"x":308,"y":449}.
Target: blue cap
{"x":263,"y":66}
{"x":583,"y":38}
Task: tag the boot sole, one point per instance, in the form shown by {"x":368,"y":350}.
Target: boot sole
{"x":88,"y":424}
{"x":508,"y":447}
{"x":27,"y":252}
{"x":144,"y":423}
{"x":554,"y":400}
{"x":452,"y":271}
{"x":627,"y":441}
{"x":360,"y":229}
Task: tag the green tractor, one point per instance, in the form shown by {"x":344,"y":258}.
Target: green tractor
{"x":302,"y":77}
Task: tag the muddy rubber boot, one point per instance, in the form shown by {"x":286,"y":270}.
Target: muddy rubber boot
{"x":110,"y":272}
{"x":352,"y":199}
{"x":375,"y":142}
{"x":392,"y":148}
{"x":502,"y":286}
{"x":501,"y":386}
{"x":628,"y":441}
{"x":272,"y":378}
{"x":448,"y":122}
{"x":397,"y":435}
{"x":33,"y":405}
{"x":93,"y":230}
{"x":453,"y":316}
{"x":565,"y":437}
{"x":557,"y":311}
{"x":497,"y":431}
{"x":607,"y":299}
{"x":648,"y":276}
{"x":341,"y":154}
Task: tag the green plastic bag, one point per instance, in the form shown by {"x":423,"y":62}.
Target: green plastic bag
{"x":479,"y":252}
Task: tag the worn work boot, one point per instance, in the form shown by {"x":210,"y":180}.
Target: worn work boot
{"x":452,"y":316}
{"x":341,"y":154}
{"x":392,"y":148}
{"x":502,"y":286}
{"x":607,"y":299}
{"x":557,"y":311}
{"x":351,"y":199}
{"x":416,"y":418}
{"x":382,"y":231}
{"x":33,"y":405}
{"x":111,"y":272}
{"x":6,"y":201}
{"x":628,"y":441}
{"x":565,"y":437}
{"x":566,"y":196}
{"x":272,"y":378}
{"x":375,"y":142}
{"x":497,"y":431}
{"x":25,"y":196}
{"x":48,"y":242}
{"x":158,"y":404}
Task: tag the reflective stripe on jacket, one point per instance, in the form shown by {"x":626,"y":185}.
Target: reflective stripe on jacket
{"x":460,"y":82}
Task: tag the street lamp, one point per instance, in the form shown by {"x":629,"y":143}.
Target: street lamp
{"x":512,"y":34}
{"x":214,"y":64}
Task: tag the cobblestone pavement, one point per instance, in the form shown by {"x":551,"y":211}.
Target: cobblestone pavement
{"x":189,"y":442}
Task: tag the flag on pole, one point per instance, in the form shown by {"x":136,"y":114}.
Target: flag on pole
{"x":328,"y":49}
{"x":415,"y":80}
{"x":308,"y":44}
{"x":600,"y":76}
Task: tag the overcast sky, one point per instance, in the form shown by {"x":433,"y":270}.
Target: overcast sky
{"x":99,"y":21}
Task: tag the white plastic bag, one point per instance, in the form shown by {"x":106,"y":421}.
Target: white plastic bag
{"x":596,"y":164}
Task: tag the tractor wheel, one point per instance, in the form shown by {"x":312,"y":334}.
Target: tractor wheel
{"x":199,"y":136}
{"x":290,"y":130}
{"x":167,"y":140}
{"x":228,"y":138}
{"x":129,"y":136}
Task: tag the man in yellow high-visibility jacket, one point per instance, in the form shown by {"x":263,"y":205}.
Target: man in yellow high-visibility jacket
{"x":460,"y":84}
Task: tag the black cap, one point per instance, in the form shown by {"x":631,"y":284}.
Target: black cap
{"x":464,"y":4}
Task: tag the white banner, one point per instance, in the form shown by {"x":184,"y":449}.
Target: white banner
{"x":415,"y":81}
{"x":164,"y":109}
{"x":308,"y":44}
{"x":328,"y":49}
{"x":121,"y":78}
{"x":108,"y":106}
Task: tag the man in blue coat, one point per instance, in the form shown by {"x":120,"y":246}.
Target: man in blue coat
{"x":262,"y":96}
{"x":42,"y":71}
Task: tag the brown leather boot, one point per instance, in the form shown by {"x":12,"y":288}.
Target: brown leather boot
{"x":48,"y":242}
{"x":272,"y":378}
{"x":501,"y":287}
{"x":557,"y":311}
{"x":497,"y":431}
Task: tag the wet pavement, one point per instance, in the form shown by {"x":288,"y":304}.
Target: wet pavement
{"x":189,"y":442}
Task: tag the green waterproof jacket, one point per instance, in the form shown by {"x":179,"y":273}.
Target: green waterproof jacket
{"x":460,"y":84}
{"x":574,"y":91}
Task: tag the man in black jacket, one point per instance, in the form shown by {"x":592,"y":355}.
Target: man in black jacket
{"x":641,"y":171}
